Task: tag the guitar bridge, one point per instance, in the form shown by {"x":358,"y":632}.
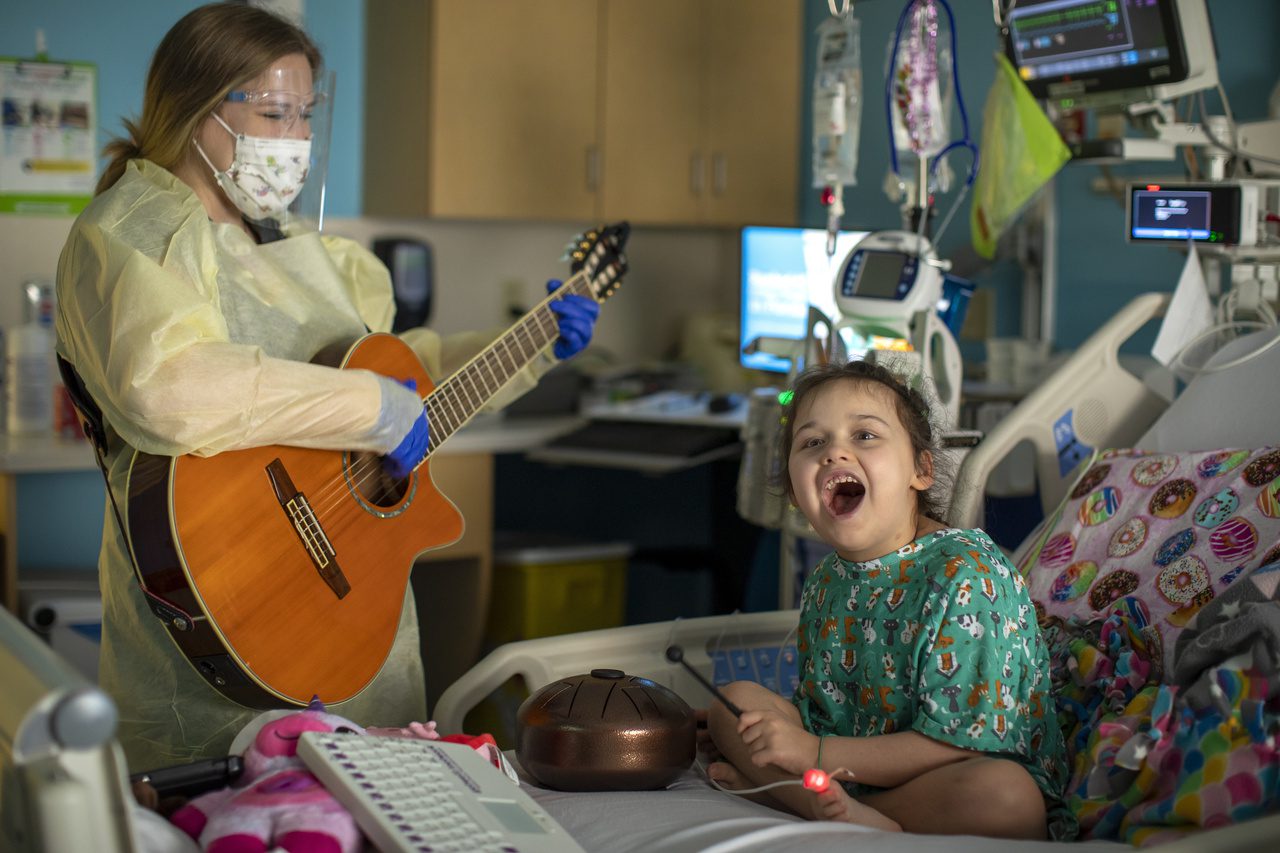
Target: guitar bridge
{"x":304,"y":522}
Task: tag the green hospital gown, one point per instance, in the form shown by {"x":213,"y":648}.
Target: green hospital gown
{"x":941,"y":638}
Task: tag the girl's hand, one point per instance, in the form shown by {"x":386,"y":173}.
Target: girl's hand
{"x":771,"y":738}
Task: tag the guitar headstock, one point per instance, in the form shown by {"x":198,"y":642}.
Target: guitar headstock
{"x":597,"y":254}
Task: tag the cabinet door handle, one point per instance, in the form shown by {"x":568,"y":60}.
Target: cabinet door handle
{"x":593,"y":168}
{"x":719,"y":173}
{"x":697,"y":178}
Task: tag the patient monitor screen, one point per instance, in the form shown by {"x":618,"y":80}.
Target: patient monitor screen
{"x":784,"y":271}
{"x":1066,"y":48}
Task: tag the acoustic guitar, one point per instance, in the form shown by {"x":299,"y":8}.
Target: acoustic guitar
{"x":280,"y":571}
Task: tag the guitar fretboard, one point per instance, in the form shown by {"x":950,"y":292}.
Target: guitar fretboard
{"x":456,"y":400}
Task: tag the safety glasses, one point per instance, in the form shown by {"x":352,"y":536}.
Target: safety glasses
{"x":286,"y":108}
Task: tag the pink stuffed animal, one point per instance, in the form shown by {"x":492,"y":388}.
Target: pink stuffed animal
{"x":277,"y":802}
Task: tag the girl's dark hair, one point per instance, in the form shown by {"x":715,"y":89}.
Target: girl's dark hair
{"x":912,"y":409}
{"x":209,"y":52}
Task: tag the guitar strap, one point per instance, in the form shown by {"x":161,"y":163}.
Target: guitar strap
{"x":95,"y":429}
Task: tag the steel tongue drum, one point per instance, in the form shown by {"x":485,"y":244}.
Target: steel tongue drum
{"x":605,"y":731}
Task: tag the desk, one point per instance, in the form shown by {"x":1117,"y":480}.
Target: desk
{"x":29,"y":454}
{"x":679,"y":512}
{"x":665,"y":408}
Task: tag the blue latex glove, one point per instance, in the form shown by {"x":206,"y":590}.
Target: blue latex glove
{"x":399,"y":463}
{"x":577,"y":318}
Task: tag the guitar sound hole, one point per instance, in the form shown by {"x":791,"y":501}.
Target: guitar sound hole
{"x":375,"y":485}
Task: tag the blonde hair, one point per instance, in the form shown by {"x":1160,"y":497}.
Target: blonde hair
{"x":210,"y":51}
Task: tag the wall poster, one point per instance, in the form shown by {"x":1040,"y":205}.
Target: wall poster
{"x":48,"y":161}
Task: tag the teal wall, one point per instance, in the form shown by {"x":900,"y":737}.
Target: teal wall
{"x":120,"y":37}
{"x":1090,"y":225}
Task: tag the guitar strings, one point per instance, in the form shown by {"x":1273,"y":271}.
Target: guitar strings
{"x":447,"y":419}
{"x":332,"y":494}
{"x":453,"y":414}
{"x":366,"y":469}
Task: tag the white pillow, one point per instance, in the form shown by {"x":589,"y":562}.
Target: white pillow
{"x":1235,"y":407}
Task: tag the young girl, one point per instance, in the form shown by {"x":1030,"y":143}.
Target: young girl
{"x":923,"y":677}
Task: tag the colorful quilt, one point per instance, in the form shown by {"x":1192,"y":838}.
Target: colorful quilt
{"x":1165,"y":640}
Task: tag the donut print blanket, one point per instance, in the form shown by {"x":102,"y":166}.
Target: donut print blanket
{"x":1172,"y":530}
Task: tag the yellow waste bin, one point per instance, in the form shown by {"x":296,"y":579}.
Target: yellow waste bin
{"x":544,"y":586}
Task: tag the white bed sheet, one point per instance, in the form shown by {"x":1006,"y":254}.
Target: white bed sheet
{"x":691,"y":815}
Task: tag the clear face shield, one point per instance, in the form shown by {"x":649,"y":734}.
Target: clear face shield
{"x":280,"y":123}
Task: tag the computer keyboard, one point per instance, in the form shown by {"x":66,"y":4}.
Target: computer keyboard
{"x":421,"y":796}
{"x":647,"y":437}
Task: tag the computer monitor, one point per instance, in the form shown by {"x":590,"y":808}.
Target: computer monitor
{"x":784,"y":271}
{"x":63,"y":783}
{"x":1097,"y":53}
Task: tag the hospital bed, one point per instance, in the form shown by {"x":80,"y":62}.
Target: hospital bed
{"x":49,"y":770}
{"x":1092,"y":402}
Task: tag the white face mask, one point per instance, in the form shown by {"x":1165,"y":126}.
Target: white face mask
{"x":265,"y":175}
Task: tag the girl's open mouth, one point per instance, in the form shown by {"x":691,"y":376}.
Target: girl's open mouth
{"x":842,"y":494}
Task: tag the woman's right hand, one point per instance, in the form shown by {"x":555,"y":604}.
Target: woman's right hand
{"x":772,"y":738}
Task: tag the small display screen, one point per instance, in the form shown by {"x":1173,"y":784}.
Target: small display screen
{"x":1205,"y":213}
{"x":513,"y":816}
{"x":1159,"y":215}
{"x":784,"y":271}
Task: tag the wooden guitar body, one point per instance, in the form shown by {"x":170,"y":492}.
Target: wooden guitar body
{"x":252,"y":609}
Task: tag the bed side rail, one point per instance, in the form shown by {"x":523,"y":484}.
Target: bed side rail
{"x":1090,"y":402}
{"x":634,"y":649}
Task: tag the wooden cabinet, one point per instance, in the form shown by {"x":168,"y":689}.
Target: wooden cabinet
{"x":701,"y":111}
{"x":753,"y":128}
{"x":513,"y":95}
{"x":658,"y":111}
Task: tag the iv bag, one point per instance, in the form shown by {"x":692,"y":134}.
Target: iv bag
{"x":922,"y":85}
{"x":837,"y":102}
{"x":922,"y":90}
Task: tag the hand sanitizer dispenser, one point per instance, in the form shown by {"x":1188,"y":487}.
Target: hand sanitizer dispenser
{"x":29,"y":364}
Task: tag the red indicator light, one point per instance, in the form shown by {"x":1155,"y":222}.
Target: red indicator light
{"x":816,"y":780}
{"x":828,"y":196}
{"x":1155,"y":188}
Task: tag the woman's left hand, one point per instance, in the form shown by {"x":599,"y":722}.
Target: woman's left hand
{"x":576,"y":316}
{"x":772,"y":738}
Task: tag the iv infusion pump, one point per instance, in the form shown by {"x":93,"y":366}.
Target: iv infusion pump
{"x":887,"y":278}
{"x":890,"y":285}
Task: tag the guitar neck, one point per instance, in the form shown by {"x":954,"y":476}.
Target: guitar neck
{"x":456,"y":400}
